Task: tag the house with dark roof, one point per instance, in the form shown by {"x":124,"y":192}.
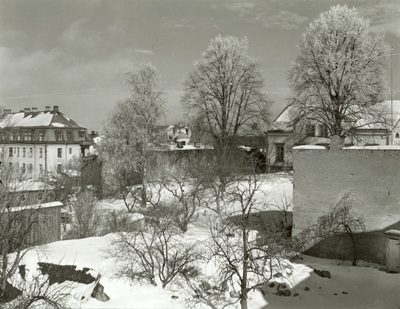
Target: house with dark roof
{"x":288,"y":131}
{"x":34,"y":143}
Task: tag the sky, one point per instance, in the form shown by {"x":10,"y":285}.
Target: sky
{"x":75,"y":53}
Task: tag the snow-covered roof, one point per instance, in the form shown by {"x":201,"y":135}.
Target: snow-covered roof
{"x":380,"y":147}
{"x":182,"y":137}
{"x":37,"y":206}
{"x":38,"y":119}
{"x":28,"y":185}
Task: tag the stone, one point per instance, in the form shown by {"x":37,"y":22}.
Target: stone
{"x":98,"y":293}
{"x":323,"y":273}
{"x":278,"y":275}
{"x":295,"y":294}
{"x":344,"y":292}
{"x":174,"y":297}
{"x":205,"y":286}
{"x":306,"y":288}
{"x":326,"y":274}
{"x":272,"y":285}
{"x":287,"y":293}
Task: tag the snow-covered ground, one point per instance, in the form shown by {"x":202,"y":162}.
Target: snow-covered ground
{"x":349,"y":287}
{"x":363,"y":286}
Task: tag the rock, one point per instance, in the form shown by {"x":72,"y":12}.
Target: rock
{"x":382,"y":268}
{"x":98,"y":293}
{"x":272,"y":285}
{"x":205,"y":286}
{"x":278,"y":275}
{"x":287,"y":293}
{"x":326,"y":274}
{"x":10,"y":293}
{"x":344,"y":292}
{"x":295,"y":294}
{"x":174,"y":297}
{"x":306,"y":288}
{"x":323,"y":273}
{"x":281,"y":286}
{"x":334,"y":293}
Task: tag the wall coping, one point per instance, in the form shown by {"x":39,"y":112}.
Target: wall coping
{"x":309,"y":147}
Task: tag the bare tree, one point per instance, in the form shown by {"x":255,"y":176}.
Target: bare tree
{"x":338,"y":77}
{"x":85,"y":218}
{"x":130,"y":133}
{"x":340,"y":222}
{"x":18,"y":225}
{"x":242,"y":262}
{"x":151,"y":254}
{"x":224,"y":99}
{"x":185,"y":195}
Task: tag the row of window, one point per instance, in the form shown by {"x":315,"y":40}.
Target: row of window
{"x":27,"y":136}
{"x":16,"y":151}
{"x":23,"y":167}
{"x":30,"y":167}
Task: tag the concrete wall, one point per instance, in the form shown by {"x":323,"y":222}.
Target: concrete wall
{"x":372,"y":175}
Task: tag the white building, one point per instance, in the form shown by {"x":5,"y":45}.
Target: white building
{"x":34,"y":143}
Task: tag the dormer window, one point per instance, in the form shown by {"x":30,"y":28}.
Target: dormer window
{"x":59,"y":136}
{"x":69,"y":135}
{"x":82,"y":134}
{"x":397,"y":135}
{"x":28,"y":136}
{"x":41,"y":136}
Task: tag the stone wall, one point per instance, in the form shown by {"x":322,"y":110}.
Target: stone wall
{"x":371,"y":174}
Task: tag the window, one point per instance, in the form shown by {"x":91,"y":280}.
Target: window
{"x":18,"y":152}
{"x":10,"y":165}
{"x":23,"y":168}
{"x":30,"y":168}
{"x":19,"y":137}
{"x":59,"y":152}
{"x":82,"y":134}
{"x":3,"y":136}
{"x":40,"y":195}
{"x":279,"y":152}
{"x":59,"y":168}
{"x":23,"y":152}
{"x":23,"y":197}
{"x":59,"y":136}
{"x":69,"y":135}
{"x":11,"y":136}
{"x":40,"y":168}
{"x":70,"y":150}
{"x":397,"y":135}
{"x":30,"y":152}
{"x":27,"y":136}
{"x":41,"y":136}
{"x":40,"y":152}
{"x":10,"y":152}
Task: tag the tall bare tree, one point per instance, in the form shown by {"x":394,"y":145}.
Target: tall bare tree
{"x":224,"y":98}
{"x":224,"y":91}
{"x":130,"y":133}
{"x":338,"y":77}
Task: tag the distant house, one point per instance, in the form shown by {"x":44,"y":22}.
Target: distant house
{"x":42,"y":222}
{"x":35,"y":142}
{"x":30,"y":192}
{"x":285,"y":133}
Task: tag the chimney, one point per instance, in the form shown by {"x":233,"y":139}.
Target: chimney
{"x":27,"y":111}
{"x":55,"y":108}
{"x":34,"y":109}
{"x":47,"y":108}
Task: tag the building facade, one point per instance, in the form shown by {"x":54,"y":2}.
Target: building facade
{"x":284,"y":134}
{"x":35,"y":143}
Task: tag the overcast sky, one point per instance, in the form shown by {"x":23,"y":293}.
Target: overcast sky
{"x":75,"y":53}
